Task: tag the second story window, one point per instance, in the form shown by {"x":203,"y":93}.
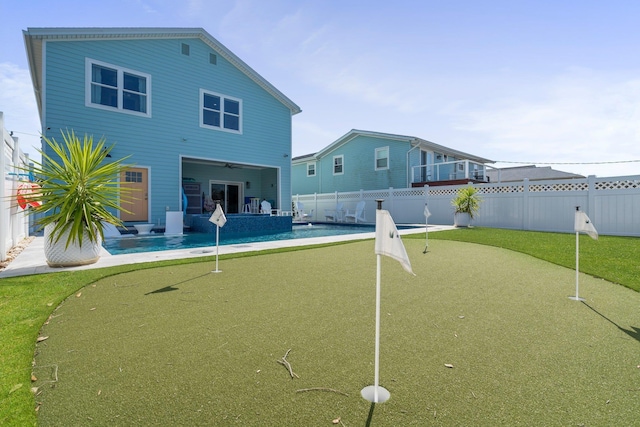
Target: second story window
{"x":220,"y":112}
{"x":311,"y":169}
{"x":338,"y":163}
{"x":382,"y":158}
{"x":117,"y":88}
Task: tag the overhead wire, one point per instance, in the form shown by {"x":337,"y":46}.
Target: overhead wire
{"x":570,"y":163}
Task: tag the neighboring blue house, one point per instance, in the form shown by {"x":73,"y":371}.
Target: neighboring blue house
{"x":190,"y":113}
{"x":364,"y":160}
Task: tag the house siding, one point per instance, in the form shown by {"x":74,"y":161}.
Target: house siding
{"x":300,"y":182}
{"x":358,"y":151}
{"x":359,"y":171}
{"x":173,"y":130}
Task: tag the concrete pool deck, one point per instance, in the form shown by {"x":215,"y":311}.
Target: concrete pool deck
{"x":31,"y":260}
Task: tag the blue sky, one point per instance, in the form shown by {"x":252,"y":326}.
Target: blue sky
{"x":519,"y":81}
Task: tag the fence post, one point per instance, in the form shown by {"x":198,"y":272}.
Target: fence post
{"x":315,"y":206}
{"x":591,"y":198}
{"x":4,"y":208}
{"x":526,"y":217}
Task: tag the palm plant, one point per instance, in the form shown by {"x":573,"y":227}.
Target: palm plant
{"x":467,"y":201}
{"x":79,"y":190}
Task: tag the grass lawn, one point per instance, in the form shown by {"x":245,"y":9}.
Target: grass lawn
{"x":614,"y":258}
{"x":178,"y":345}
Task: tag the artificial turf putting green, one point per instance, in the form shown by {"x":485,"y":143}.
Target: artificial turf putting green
{"x":180,"y":345}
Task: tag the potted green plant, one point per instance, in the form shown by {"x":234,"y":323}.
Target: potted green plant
{"x":466,"y":205}
{"x":79,"y":192}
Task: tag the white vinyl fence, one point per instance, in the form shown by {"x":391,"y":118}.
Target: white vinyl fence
{"x":612,"y":204}
{"x":14,"y":224}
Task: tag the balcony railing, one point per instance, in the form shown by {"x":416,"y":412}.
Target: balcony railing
{"x":448,"y":171}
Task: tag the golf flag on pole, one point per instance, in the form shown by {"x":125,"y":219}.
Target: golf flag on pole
{"x":583,"y":224}
{"x":388,"y":241}
{"x":427,"y":214}
{"x":218,"y":217}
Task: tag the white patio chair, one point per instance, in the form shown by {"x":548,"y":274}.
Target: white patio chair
{"x":358,"y":215}
{"x":335,"y":215}
{"x":301,"y":215}
{"x":265,"y":207}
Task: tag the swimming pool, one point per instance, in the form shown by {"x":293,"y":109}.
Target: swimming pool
{"x":160,"y":242}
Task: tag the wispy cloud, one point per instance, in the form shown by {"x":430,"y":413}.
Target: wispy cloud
{"x":580,"y":116}
{"x":148,"y":7}
{"x":305,"y":131}
{"x":325,"y":55}
{"x":19,"y":106}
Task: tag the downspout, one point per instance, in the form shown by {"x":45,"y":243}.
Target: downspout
{"x":408,"y":166}
{"x":319,"y":171}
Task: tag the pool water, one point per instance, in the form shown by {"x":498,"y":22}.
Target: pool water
{"x":160,"y":242}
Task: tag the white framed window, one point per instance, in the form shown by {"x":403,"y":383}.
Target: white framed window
{"x":338,"y":165}
{"x":382,"y":158}
{"x":111,"y":87}
{"x":220,"y":112}
{"x":311,"y":169}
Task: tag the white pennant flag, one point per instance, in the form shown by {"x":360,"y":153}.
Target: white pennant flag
{"x":218,"y":217}
{"x":427,"y":214}
{"x":583,"y":224}
{"x":388,"y":241}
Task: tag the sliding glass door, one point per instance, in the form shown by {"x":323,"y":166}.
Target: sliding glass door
{"x":228,"y":194}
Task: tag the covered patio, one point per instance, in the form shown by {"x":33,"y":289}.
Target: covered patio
{"x":238,"y":187}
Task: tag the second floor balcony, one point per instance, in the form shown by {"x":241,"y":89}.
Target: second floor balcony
{"x":452,"y":172}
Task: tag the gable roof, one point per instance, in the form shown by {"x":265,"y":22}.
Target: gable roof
{"x":531,"y":172}
{"x":306,"y":157}
{"x":414,"y":141}
{"x":34,"y":37}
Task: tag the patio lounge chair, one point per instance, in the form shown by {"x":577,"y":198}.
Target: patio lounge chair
{"x":301,"y":215}
{"x":335,"y":215}
{"x":110,"y":230}
{"x":358,"y":215}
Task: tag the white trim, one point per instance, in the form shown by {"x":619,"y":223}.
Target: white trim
{"x":333,"y":164}
{"x":120,"y":88}
{"x":354,"y":133}
{"x":222,"y":113}
{"x":34,"y":38}
{"x":375,"y":158}
{"x":43,"y":94}
{"x":315,"y":168}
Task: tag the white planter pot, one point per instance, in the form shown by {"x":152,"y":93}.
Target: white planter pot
{"x":57,"y":255}
{"x":461,"y":219}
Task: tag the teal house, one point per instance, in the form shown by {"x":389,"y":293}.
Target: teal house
{"x":365,"y":160}
{"x":201,"y":126}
